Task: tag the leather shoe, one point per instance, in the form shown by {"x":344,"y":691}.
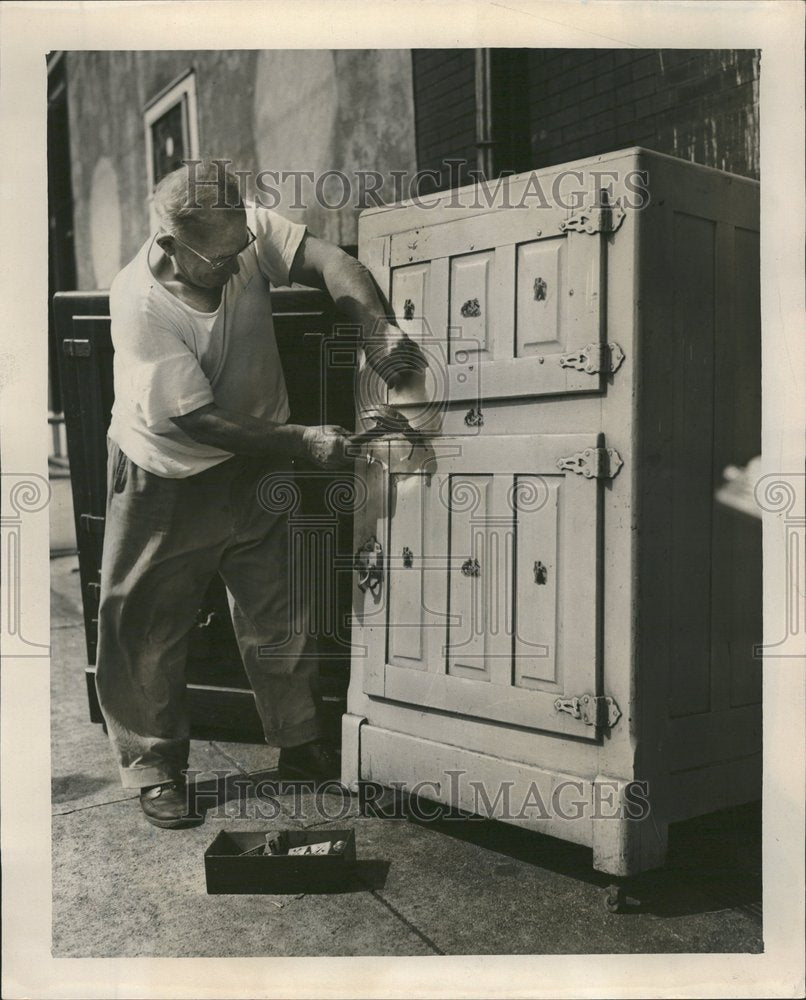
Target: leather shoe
{"x":315,"y":760}
{"x":168,"y":806}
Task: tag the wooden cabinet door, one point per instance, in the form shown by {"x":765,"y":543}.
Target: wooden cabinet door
{"x":505,"y":303}
{"x":488,"y":602}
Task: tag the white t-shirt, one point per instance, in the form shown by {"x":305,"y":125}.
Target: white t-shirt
{"x":171,"y":359}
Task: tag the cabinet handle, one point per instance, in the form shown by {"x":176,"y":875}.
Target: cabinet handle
{"x":471,"y":567}
{"x":541,"y":573}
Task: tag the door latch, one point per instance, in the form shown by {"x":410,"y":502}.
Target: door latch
{"x":369,"y":565}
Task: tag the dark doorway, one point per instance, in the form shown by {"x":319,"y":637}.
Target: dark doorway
{"x":61,"y":253}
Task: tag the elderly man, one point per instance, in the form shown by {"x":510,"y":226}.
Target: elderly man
{"x":200,"y":416}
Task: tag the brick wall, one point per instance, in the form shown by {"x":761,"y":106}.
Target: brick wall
{"x":700,"y":105}
{"x":444,"y":109}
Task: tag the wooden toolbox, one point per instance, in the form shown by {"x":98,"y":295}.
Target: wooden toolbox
{"x":232,"y":865}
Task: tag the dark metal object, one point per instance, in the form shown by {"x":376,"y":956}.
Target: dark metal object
{"x":471,"y":567}
{"x":408,"y":557}
{"x":471,"y":308}
{"x":474,"y":417}
{"x":541,"y":573}
{"x":408,"y":309}
{"x":540,"y":290}
{"x":369,"y":565}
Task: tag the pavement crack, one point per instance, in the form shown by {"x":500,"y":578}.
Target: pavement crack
{"x":396,"y":913}
{"x":232,"y":760}
{"x":95,"y":805}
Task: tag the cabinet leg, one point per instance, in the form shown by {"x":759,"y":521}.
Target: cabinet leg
{"x":351,"y":750}
{"x":628,"y":838}
{"x":615,"y":898}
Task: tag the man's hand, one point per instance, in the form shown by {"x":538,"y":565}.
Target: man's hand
{"x":394,"y":355}
{"x":326,"y":446}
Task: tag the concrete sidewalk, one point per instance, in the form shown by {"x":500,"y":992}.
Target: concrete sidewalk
{"x":124,"y":888}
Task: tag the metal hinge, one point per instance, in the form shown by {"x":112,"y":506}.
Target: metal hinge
{"x":77,"y":348}
{"x":592,"y":710}
{"x":602,"y":217}
{"x":594,"y":358}
{"x":592,"y":463}
{"x":92,"y":524}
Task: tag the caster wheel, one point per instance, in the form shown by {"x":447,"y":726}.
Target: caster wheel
{"x":614,"y":899}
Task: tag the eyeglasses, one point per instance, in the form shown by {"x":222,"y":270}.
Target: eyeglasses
{"x":219,"y":262}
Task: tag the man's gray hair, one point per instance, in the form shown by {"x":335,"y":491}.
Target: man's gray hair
{"x":187,"y":195}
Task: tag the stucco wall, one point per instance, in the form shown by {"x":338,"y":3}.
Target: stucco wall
{"x":264,"y":110}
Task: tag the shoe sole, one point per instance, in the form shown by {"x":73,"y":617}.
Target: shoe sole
{"x":174,"y":824}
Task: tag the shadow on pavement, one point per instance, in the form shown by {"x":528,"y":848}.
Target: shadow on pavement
{"x":713,"y":862}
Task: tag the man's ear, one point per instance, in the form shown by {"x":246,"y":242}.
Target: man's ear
{"x":166,"y":244}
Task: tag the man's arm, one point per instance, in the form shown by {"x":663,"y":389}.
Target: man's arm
{"x":323,"y":265}
{"x":246,"y":435}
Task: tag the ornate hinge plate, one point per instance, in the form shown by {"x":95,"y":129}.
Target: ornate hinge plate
{"x":598,"y":218}
{"x":592,"y":463}
{"x":592,"y":710}
{"x":594,"y":358}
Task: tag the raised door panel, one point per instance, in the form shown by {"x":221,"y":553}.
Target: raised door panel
{"x":405,"y":574}
{"x":419,"y":299}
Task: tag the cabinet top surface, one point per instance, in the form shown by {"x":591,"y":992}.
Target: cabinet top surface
{"x":633,"y":158}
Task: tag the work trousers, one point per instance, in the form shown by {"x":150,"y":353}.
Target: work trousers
{"x":164,"y":541}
